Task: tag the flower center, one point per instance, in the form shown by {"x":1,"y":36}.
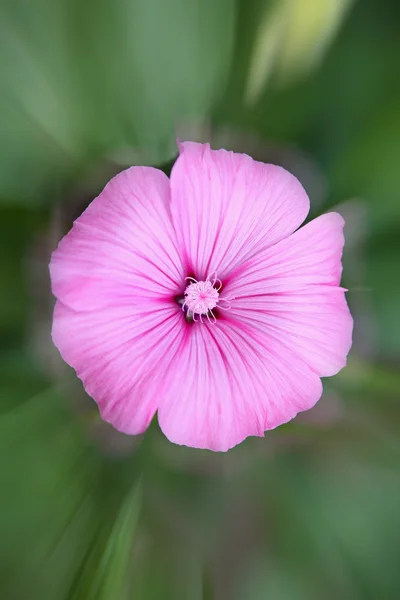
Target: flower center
{"x":200,"y":297}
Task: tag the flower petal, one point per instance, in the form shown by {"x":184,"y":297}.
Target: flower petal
{"x":115,"y":275}
{"x":122,"y":247}
{"x":291,"y":293}
{"x":226,"y":207}
{"x":121,"y":354}
{"x":232,"y":386}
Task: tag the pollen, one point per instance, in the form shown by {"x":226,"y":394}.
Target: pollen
{"x":200,"y":297}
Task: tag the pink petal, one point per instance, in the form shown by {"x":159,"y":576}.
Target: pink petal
{"x":290,"y":293}
{"x":226,"y":207}
{"x":115,"y":275}
{"x":227,"y":384}
{"x":122,"y":355}
{"x":122,"y":247}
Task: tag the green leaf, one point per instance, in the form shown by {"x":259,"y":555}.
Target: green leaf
{"x":81,"y":80}
{"x":68,"y":514}
{"x":152,"y":64}
{"x":48,"y":476}
{"x":106,"y":572}
{"x":291,"y":40}
{"x":40,"y":111}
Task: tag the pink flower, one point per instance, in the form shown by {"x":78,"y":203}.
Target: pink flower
{"x":196,"y":297}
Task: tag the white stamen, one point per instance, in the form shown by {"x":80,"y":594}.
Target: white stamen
{"x":200,"y":297}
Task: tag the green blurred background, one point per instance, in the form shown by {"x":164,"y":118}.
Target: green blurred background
{"x":89,"y":87}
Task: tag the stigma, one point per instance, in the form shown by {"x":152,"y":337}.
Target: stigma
{"x":201,"y":297}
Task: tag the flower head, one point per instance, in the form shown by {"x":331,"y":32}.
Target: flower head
{"x":195,"y":297}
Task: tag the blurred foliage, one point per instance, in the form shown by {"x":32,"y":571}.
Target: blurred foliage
{"x":89,"y":87}
{"x":291,"y":39}
{"x":81,"y":80}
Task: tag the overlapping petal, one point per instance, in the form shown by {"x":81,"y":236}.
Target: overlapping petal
{"x":291,"y":293}
{"x":235,"y":385}
{"x":122,"y":248}
{"x":226,"y":208}
{"x":115,"y":275}
{"x":122,"y":355}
